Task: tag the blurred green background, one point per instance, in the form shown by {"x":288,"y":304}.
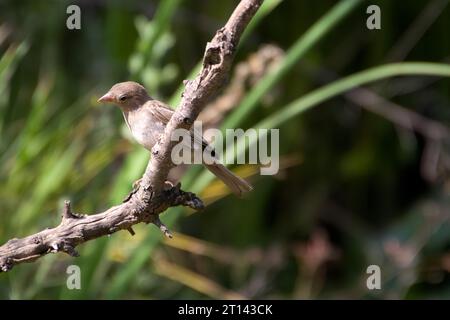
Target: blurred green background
{"x":364,"y":173}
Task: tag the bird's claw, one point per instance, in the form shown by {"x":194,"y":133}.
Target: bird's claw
{"x":136,"y":186}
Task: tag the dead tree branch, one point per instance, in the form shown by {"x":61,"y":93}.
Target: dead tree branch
{"x":152,"y":197}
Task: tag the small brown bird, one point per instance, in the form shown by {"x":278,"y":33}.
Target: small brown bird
{"x":147,"y":118}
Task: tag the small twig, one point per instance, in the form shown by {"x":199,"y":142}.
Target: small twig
{"x":131,"y":231}
{"x":67,"y":212}
{"x":157,"y":222}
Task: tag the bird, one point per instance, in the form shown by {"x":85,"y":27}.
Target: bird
{"x":147,"y":118}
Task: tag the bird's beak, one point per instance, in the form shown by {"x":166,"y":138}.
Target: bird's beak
{"x":106,"y":98}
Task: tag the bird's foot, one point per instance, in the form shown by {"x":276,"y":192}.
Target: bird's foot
{"x":136,"y":186}
{"x":168,"y":185}
{"x":184,"y":198}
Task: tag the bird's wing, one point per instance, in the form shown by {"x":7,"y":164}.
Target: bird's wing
{"x":163,"y":113}
{"x":160,"y":111}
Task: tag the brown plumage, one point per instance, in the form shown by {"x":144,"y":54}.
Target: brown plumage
{"x":147,"y":118}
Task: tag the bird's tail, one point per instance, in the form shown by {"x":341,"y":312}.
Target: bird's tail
{"x":235,"y":183}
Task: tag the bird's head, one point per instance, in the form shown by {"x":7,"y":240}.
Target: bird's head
{"x":126,"y":95}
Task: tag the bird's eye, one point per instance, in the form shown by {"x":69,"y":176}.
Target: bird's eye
{"x":123,"y":98}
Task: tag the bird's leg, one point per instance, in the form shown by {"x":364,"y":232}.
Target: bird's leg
{"x":136,"y":185}
{"x":168,"y":185}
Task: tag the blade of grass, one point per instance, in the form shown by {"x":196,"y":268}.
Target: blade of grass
{"x":8,"y":62}
{"x":139,"y":257}
{"x":361,"y":78}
